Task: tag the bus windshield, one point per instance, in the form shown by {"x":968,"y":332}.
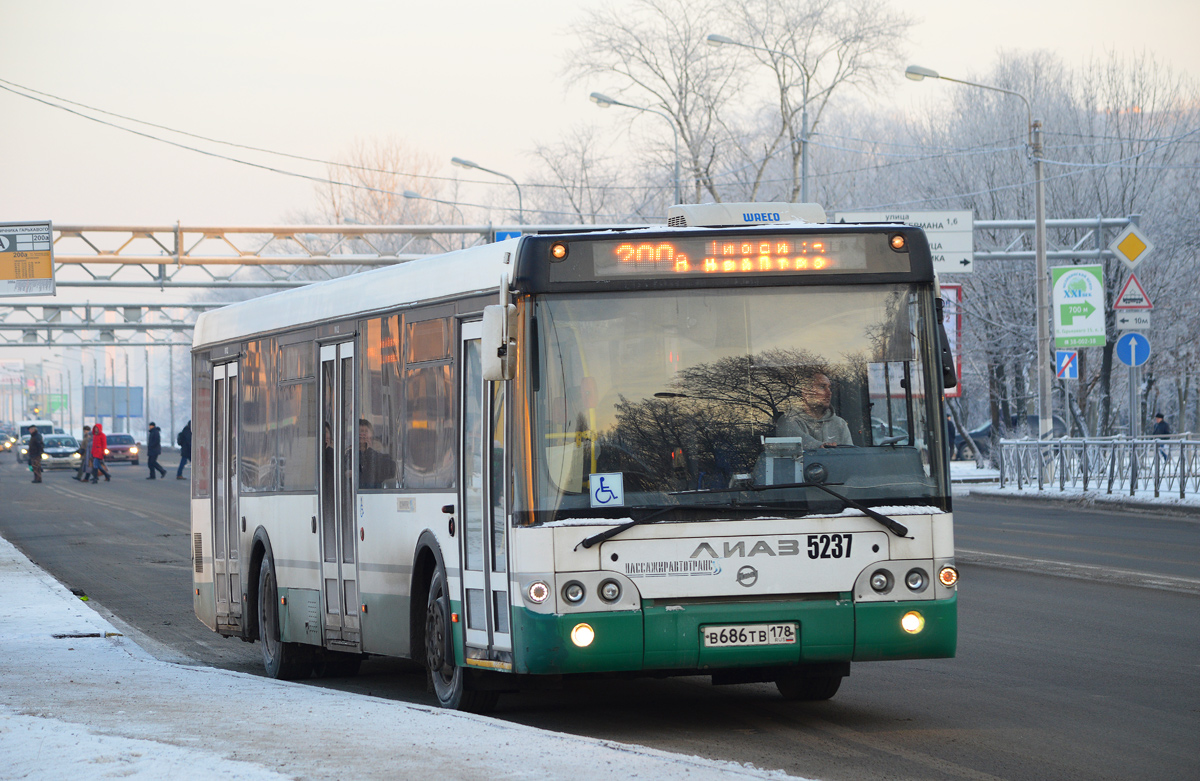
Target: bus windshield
{"x":664,"y":401}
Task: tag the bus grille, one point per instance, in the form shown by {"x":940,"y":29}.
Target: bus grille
{"x":198,"y":551}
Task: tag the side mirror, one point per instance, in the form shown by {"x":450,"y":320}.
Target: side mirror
{"x":949,"y":377}
{"x":499,"y":337}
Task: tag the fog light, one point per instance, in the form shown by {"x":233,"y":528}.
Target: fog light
{"x":881,"y":581}
{"x":916,"y":580}
{"x":948,"y":576}
{"x":573,"y":592}
{"x":583,"y":635}
{"x":610,"y":591}
{"x":912,"y":622}
{"x":538,"y":592}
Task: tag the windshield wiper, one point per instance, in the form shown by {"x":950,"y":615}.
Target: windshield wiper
{"x":588,"y":542}
{"x":891,"y":524}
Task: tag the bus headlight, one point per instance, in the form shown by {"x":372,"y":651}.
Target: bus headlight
{"x":583,"y":635}
{"x":948,"y":576}
{"x":610,"y":591}
{"x":538,"y":592}
{"x":912,"y":622}
{"x":881,"y":581}
{"x":916,"y":580}
{"x":574,"y":593}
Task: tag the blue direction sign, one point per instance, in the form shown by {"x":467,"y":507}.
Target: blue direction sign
{"x":1068,"y":364}
{"x":1133,"y":349}
{"x":502,"y":235}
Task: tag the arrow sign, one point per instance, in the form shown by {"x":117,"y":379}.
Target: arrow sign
{"x":1133,"y":349}
{"x":1133,"y":296}
{"x":1133,"y":321}
{"x":1068,"y":364}
{"x":1072,"y":311}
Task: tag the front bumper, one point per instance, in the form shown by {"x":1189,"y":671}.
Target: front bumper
{"x":668,"y":636}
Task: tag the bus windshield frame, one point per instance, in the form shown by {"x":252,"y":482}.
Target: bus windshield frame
{"x":671,"y":397}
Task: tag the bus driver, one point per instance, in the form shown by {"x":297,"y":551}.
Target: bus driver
{"x":814,"y":420}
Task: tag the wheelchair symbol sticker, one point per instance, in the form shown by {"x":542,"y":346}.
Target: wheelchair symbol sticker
{"x":608,"y":489}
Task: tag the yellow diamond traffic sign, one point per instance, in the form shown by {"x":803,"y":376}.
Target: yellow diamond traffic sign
{"x":1131,"y":246}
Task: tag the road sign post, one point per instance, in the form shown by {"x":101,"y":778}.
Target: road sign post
{"x":1133,"y":349}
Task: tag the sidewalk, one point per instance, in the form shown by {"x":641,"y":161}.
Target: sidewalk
{"x":78,"y":700}
{"x":967,"y":480}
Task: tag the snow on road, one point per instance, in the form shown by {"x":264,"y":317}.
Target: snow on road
{"x":79,"y":701}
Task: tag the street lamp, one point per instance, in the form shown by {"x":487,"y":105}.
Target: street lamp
{"x":603,"y":101}
{"x":1045,"y":413}
{"x":458,"y":161}
{"x":725,"y":40}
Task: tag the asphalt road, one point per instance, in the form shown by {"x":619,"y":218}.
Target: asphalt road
{"x":1056,"y":677}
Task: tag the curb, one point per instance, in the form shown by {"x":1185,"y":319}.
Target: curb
{"x":1090,"y":500}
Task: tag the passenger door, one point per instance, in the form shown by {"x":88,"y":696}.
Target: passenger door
{"x":226,"y":532}
{"x":484,"y":552}
{"x":339,"y":432}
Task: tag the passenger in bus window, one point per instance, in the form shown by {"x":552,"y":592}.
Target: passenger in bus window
{"x":374,"y":467}
{"x":813,"y":420}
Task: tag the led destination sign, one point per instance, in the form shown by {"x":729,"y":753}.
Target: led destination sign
{"x":739,"y":255}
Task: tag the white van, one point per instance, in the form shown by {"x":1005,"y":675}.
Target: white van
{"x":44,"y":426}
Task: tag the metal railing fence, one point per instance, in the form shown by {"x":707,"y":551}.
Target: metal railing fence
{"x":1162,"y":466}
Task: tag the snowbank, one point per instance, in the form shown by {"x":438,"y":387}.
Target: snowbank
{"x":77,"y":700}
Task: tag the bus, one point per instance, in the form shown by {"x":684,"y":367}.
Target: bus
{"x":708,"y":448}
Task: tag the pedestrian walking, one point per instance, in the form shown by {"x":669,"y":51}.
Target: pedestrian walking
{"x":85,"y":456}
{"x":1161,"y":429}
{"x":184,"y":440}
{"x":36,"y":448}
{"x":99,"y":445}
{"x":153,"y":449}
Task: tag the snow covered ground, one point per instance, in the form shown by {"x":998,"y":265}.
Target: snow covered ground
{"x":79,"y":701}
{"x":969,"y":480}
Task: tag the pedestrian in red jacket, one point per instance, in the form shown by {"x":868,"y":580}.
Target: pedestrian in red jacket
{"x":99,"y":445}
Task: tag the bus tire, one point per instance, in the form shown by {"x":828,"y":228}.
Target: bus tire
{"x":446,"y":679}
{"x":285,"y":661}
{"x":808,"y":688}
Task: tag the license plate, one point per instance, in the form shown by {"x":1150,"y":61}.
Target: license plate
{"x":737,"y":635}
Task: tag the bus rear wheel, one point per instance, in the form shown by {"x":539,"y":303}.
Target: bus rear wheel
{"x":447,"y":680}
{"x":799,"y":687}
{"x":286,"y":661}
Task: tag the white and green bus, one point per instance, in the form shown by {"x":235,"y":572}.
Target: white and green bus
{"x":685,"y":450}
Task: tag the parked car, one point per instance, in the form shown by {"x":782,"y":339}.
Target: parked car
{"x":982,"y":435}
{"x":62,"y":450}
{"x":121,"y":447}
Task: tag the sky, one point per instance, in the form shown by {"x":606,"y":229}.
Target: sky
{"x":480,"y":80}
{"x":474,"y":79}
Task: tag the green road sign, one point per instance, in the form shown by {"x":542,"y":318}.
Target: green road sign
{"x":1078,"y":301}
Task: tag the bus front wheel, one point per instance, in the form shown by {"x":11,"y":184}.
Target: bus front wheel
{"x":286,"y":661}
{"x":447,"y":680}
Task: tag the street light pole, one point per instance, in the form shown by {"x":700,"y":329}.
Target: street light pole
{"x":603,"y":101}
{"x":1045,"y":400}
{"x":725,"y":40}
{"x":461,"y":163}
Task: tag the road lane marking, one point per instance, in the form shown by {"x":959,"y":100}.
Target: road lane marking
{"x":1064,"y":569}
